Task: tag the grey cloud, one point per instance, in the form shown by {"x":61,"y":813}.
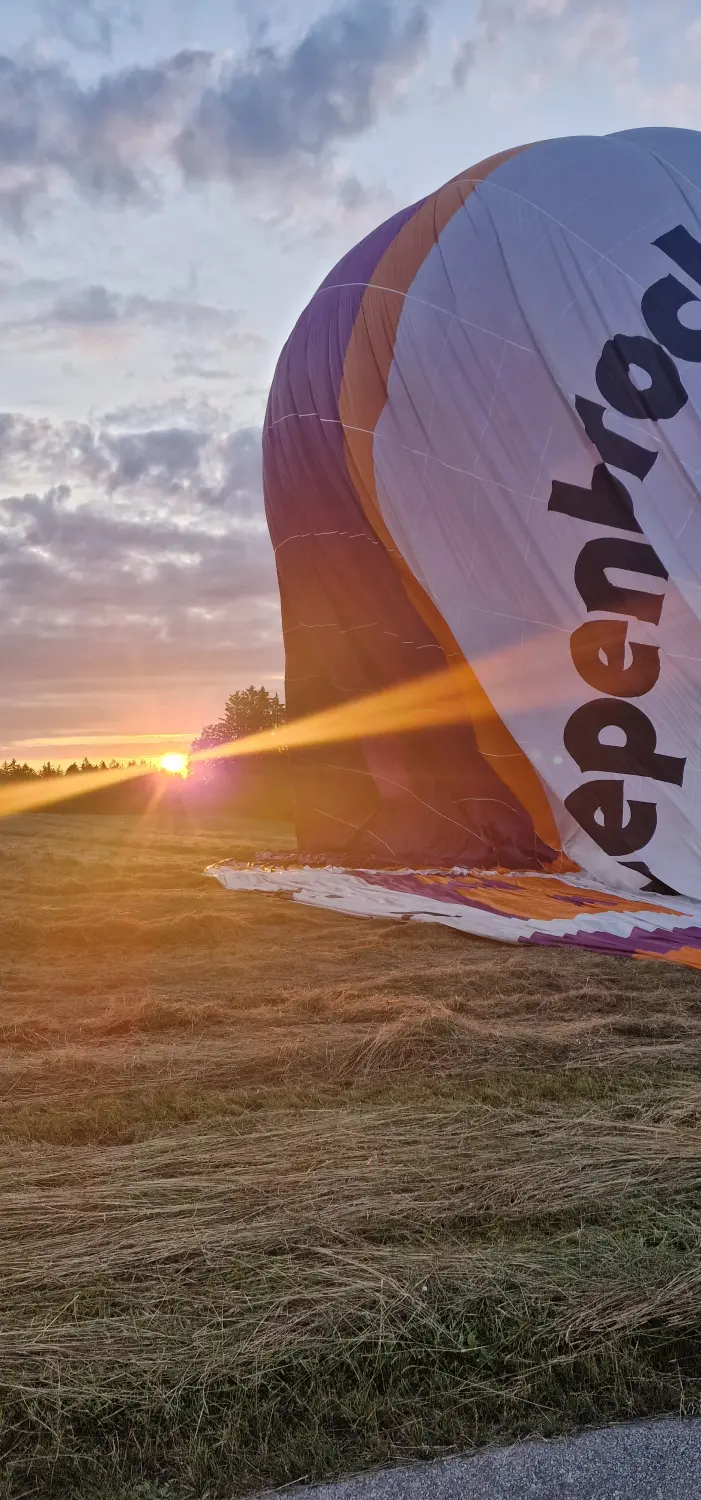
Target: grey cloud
{"x":163,"y":457}
{"x":98,"y":307}
{"x":89,"y":306}
{"x":242,"y":459}
{"x":189,"y":363}
{"x":181,"y":409}
{"x":270,"y":110}
{"x":212,"y":480}
{"x":463,"y":64}
{"x":102,"y":139}
{"x":57,"y":557}
{"x":352,"y":193}
{"x":278,"y":107}
{"x":202,"y":469}
{"x":87,"y":25}
{"x":99,"y":595}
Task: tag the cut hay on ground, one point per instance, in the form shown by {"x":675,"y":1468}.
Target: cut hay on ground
{"x":284,"y":1193}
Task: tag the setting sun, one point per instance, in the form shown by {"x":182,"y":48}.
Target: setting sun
{"x":177,"y":765}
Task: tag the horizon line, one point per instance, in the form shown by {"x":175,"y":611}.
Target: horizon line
{"x":100,"y":739}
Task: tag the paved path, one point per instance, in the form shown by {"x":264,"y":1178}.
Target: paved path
{"x":649,"y":1461}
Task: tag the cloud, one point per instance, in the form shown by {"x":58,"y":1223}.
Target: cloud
{"x":197,"y":340}
{"x":56,"y":558}
{"x":165,"y":459}
{"x":99,"y":307}
{"x":148,"y":563}
{"x":463,"y":63}
{"x":198,"y":469}
{"x":269,"y":111}
{"x":564,"y":35}
{"x":87,"y":25}
{"x":279,"y":109}
{"x":101,"y":140}
{"x":183,"y":409}
{"x":87,"y":307}
{"x":95,"y":607}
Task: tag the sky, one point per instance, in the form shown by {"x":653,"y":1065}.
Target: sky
{"x":176,"y":178}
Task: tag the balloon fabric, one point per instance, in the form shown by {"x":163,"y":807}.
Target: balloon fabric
{"x":483,"y":447}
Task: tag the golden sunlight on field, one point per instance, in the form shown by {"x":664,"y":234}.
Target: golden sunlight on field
{"x":286,"y":1193}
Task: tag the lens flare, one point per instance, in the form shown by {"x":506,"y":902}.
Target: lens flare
{"x":521,"y":678}
{"x":175,"y":764}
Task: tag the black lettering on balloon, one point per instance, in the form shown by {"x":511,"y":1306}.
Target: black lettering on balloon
{"x":654,"y":883}
{"x":618,"y":552}
{"x":665,"y":395}
{"x":606,"y":502}
{"x":638,"y":756}
{"x":607,"y":638}
{"x":660,"y":308}
{"x":620,"y":451}
{"x":683,"y":249}
{"x":600,"y":647}
{"x":611,"y":834}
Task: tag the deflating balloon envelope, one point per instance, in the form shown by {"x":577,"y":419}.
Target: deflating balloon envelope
{"x":482,"y":451}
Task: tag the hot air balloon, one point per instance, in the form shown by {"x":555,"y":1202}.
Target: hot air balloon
{"x":483,"y":446}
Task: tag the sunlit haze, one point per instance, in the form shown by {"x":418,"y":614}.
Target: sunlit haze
{"x":450,"y":696}
{"x":153,"y":266}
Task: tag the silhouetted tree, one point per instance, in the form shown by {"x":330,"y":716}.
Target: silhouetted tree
{"x":259,"y":783}
{"x":245,"y":712}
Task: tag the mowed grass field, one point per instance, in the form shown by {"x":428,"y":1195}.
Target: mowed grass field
{"x":285,"y":1194}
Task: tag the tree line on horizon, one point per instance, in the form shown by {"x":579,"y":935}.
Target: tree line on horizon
{"x":17,"y":770}
{"x":247,"y":711}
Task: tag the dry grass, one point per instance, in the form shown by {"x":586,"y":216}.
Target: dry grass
{"x":283,"y":1193}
